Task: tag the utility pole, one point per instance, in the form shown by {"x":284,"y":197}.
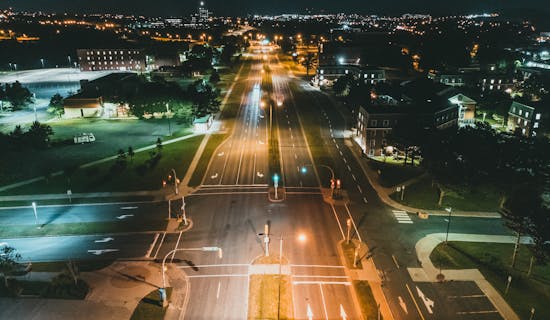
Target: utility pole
{"x":348,"y":224}
{"x":266,"y":239}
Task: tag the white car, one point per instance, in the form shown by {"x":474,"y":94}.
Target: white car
{"x":84,"y":138}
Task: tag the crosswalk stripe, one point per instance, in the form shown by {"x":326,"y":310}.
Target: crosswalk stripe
{"x":402,"y":216}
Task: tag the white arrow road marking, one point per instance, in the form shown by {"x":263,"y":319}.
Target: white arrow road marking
{"x":128,"y":208}
{"x":427,"y":302}
{"x":343,"y":313}
{"x":104,"y":240}
{"x":124,"y":216}
{"x":221,"y":154}
{"x":219,"y":287}
{"x":402,"y":304}
{"x":214,"y":176}
{"x":102,"y":251}
{"x":309,"y":312}
{"x":259,"y":174}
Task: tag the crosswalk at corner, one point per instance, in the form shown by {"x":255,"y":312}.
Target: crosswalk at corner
{"x":402,"y":216}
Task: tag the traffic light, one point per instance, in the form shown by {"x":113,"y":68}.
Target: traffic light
{"x":303,"y":170}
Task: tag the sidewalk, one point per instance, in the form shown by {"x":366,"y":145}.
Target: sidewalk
{"x":384,"y":193}
{"x":429,"y":273}
{"x":157,"y":194}
{"x":370,"y":274}
{"x":115,"y":291}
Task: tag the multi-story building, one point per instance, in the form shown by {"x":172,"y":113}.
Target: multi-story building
{"x":496,"y":82}
{"x":525,"y":118}
{"x":327,"y":74}
{"x":428,"y":104}
{"x":111,"y":59}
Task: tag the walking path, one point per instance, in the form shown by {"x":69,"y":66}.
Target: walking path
{"x":115,"y":292}
{"x":384,"y":193}
{"x":370,"y":274}
{"x":429,"y":273}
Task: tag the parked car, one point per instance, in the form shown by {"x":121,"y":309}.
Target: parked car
{"x":84,"y":138}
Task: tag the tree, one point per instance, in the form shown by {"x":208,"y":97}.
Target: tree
{"x":56,"y":105}
{"x":9,"y":260}
{"x":214,"y":77}
{"x":18,"y":95}
{"x":38,"y":134}
{"x":342,"y":85}
{"x":526,"y":213}
{"x":309,"y":62}
{"x":131,"y":153}
{"x":159,"y":145}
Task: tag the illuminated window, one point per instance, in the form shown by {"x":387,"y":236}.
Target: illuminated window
{"x":536,"y":125}
{"x":520,"y":112}
{"x":492,"y":81}
{"x":537,"y":117}
{"x":526,"y":114}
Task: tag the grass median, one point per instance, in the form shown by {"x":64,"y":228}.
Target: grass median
{"x":264,"y":300}
{"x":494,"y":261}
{"x":18,"y":231}
{"x":213,"y":143}
{"x":144,"y":171}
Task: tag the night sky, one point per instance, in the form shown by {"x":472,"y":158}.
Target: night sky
{"x":241,"y":7}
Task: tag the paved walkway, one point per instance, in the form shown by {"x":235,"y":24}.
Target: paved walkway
{"x":384,"y":193}
{"x":429,"y":273}
{"x":115,"y":291}
{"x":368,"y":273}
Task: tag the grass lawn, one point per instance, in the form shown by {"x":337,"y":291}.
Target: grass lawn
{"x":392,"y":174}
{"x":263,"y":297}
{"x":214,"y":141}
{"x":21,"y":203}
{"x":111,"y":135}
{"x":494,"y":260}
{"x":150,"y":308}
{"x":140,"y":173}
{"x":368,"y":305}
{"x":17,"y":231}
{"x":425,"y":196}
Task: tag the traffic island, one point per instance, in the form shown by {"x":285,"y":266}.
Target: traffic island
{"x":150,"y":306}
{"x":269,"y":291}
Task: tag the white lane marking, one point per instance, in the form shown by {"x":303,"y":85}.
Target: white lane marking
{"x":402,"y":216}
{"x":102,"y":251}
{"x":403,"y":304}
{"x":152,"y":246}
{"x":359,"y":188}
{"x":216,"y":265}
{"x":345,"y":161}
{"x":323,"y":299}
{"x":160,"y":245}
{"x":333,"y":140}
{"x":353,"y":176}
{"x":107,"y":239}
{"x":468,"y":296}
{"x":478,"y":312}
{"x":427,"y":302}
{"x":219,"y":287}
{"x":349,"y":168}
{"x":365,"y":200}
{"x":128,"y":208}
{"x":338,"y":221}
{"x":395,"y":261}
{"x":345,"y":283}
{"x":315,"y":266}
{"x":124,"y":216}
{"x":219,"y":275}
{"x":323,"y":277}
{"x":341,"y":153}
{"x":295,"y":156}
{"x":309,"y":313}
{"x":343,"y":313}
{"x":338,"y":147}
{"x":176,"y":246}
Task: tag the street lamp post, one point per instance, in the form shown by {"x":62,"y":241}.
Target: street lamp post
{"x":176,"y":181}
{"x":162,"y":290}
{"x":449,"y":210}
{"x":183,"y":210}
{"x":35,"y":212}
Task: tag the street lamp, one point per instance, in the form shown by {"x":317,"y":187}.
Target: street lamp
{"x":35,"y":212}
{"x":176,"y":180}
{"x":162,"y":291}
{"x":449,"y":210}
